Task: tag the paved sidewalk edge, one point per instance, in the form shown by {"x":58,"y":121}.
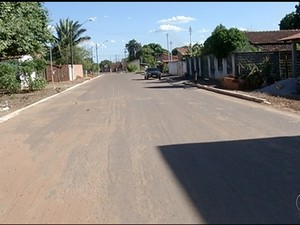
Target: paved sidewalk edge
{"x":226,"y":92}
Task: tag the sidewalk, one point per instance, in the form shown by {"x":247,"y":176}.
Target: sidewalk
{"x":215,"y":86}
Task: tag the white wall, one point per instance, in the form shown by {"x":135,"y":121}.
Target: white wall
{"x":177,"y":68}
{"x":173,"y":68}
{"x":23,"y":78}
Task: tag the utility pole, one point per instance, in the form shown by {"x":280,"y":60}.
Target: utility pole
{"x":190,"y":30}
{"x":51,"y":66}
{"x":171,"y":51}
{"x":168,"y":47}
{"x":125,"y":53}
{"x":91,"y":54}
{"x":97,"y":57}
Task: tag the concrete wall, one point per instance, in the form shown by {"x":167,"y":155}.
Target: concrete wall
{"x":63,"y":72}
{"x":177,"y":68}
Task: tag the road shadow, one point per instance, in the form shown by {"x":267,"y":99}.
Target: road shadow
{"x":166,"y":87}
{"x":157,"y":81}
{"x":244,"y":181}
{"x":138,"y":79}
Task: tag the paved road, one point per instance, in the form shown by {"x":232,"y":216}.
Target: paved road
{"x":121,"y":149}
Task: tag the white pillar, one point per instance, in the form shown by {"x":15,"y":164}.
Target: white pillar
{"x":224,"y":62}
{"x":294,"y":59}
{"x":199,"y":60}
{"x":208,"y":66}
{"x":233,"y":64}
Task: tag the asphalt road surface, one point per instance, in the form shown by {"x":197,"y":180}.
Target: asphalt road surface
{"x":121,"y":149}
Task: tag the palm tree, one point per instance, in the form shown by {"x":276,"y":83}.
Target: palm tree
{"x":69,"y":35}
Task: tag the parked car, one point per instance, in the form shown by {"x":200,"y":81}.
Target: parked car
{"x":152,"y":72}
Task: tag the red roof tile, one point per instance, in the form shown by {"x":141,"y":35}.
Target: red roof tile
{"x":267,"y":37}
{"x":182,"y":50}
{"x":289,"y":38}
{"x":271,"y":40}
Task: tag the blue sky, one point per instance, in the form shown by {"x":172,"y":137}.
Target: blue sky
{"x":150,"y":22}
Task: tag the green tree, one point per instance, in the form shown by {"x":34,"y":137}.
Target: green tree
{"x":150,"y":53}
{"x":288,"y":22}
{"x":23,"y":29}
{"x":105,"y":64}
{"x":132,"y":47}
{"x":82,"y":56}
{"x":157,"y":49}
{"x":291,"y":20}
{"x":224,"y":41}
{"x":195,"y":50}
{"x":68,"y":36}
{"x":147,"y":55}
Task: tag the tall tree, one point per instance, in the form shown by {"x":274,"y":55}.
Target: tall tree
{"x":23,"y":29}
{"x":68,"y":36}
{"x":195,"y":50}
{"x":147,"y":55}
{"x":157,"y":49}
{"x":150,"y":53}
{"x":291,"y":20}
{"x":132,"y":47}
{"x":224,"y":41}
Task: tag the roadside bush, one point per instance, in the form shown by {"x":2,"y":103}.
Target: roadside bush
{"x":37,"y":84}
{"x":38,"y":66}
{"x":132,"y":68}
{"x":8,"y":78}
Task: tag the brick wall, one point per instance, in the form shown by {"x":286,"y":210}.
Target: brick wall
{"x":281,"y":62}
{"x":244,"y":58}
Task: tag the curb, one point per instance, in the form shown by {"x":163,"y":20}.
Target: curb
{"x":234,"y":94}
{"x":227,"y":92}
{"x":17,"y":112}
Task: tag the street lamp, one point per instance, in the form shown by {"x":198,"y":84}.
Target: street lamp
{"x":71,"y":47}
{"x":97,"y":51}
{"x":89,"y":19}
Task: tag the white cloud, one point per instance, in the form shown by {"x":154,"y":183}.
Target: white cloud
{"x":193,"y":42}
{"x":167,"y":27}
{"x":123,"y":40}
{"x":87,"y":43}
{"x":203,"y":30}
{"x":242,"y":28}
{"x":177,"y":19}
{"x":112,"y":41}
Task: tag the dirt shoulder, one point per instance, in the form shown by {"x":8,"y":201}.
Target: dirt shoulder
{"x":12,"y":102}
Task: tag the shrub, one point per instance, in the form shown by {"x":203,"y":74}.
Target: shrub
{"x":132,"y":68}
{"x":8,"y":78}
{"x":37,"y":84}
{"x":30,"y":66}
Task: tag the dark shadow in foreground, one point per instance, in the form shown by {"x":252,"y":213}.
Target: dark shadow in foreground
{"x":138,"y":79}
{"x":244,"y":181}
{"x":166,"y":87}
